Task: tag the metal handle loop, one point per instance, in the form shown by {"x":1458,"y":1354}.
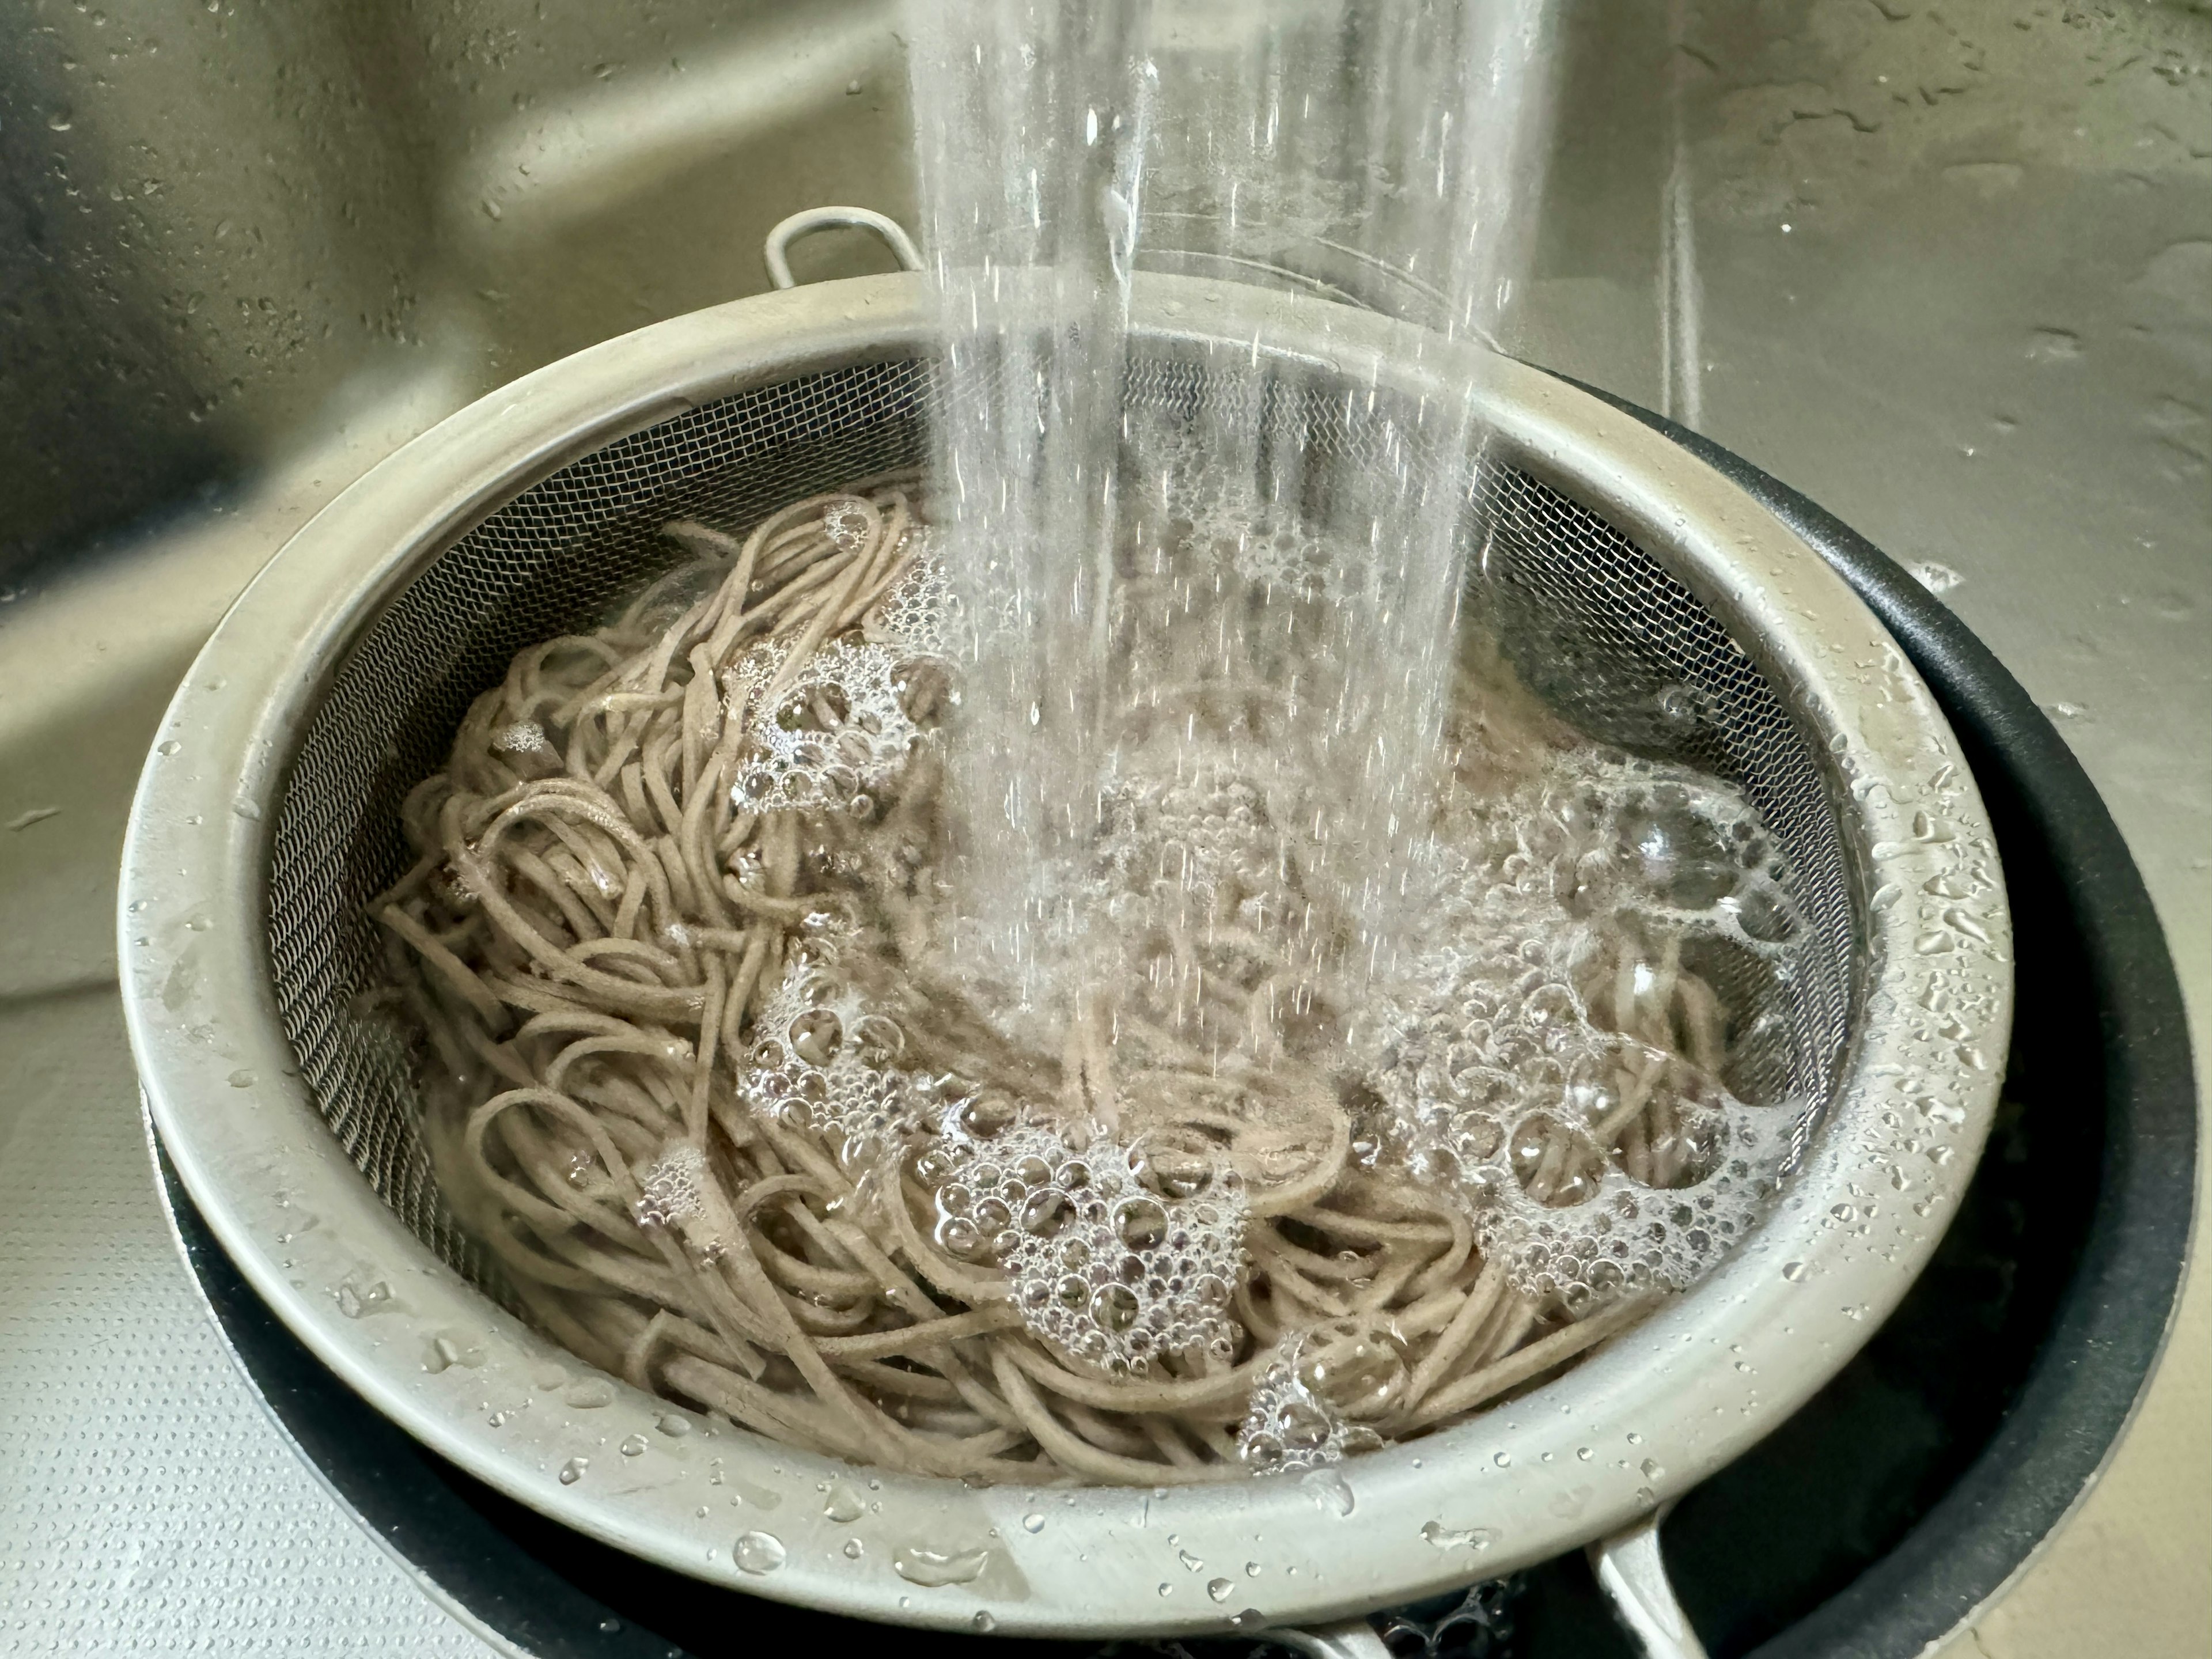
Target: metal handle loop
{"x":805,"y":223}
{"x":1349,"y":1638}
{"x":1633,"y":1576}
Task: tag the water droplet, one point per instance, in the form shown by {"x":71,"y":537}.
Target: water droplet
{"x":447,"y":1353}
{"x":757,"y":1552}
{"x":243,"y":1079}
{"x":853,"y":1549}
{"x":573,"y":1470}
{"x":673,"y":1426}
{"x":1190,"y":1563}
{"x":589,"y":1395}
{"x":1936,"y":578}
{"x":356,"y":1301}
{"x":1651,"y":1470}
{"x":1033,"y":1523}
{"x":843,"y":1503}
{"x":633,"y":1445}
{"x":1584,"y":1453}
{"x":932,"y":1569}
{"x":1330,"y":1492}
{"x":247,"y":810}
{"x":1796,"y":1272}
{"x":1448,"y":1537}
{"x":984,"y":1622}
{"x":1219,"y":1589}
{"x":167,"y":746}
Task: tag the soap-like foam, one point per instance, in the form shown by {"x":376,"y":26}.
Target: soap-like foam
{"x":916,"y":615}
{"x":670,"y":1192}
{"x":1604,"y":895}
{"x":1290,"y":1425}
{"x":838,"y":730}
{"x":823,"y":1060}
{"x":1106,"y":1267}
{"x":840,"y":733}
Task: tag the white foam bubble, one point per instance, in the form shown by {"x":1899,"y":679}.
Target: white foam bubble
{"x":1511,"y":1059}
{"x":839,"y":730}
{"x":821,"y":1061}
{"x":916,"y":614}
{"x":671,"y":1191}
{"x":521,"y":738}
{"x":1290,"y":1426}
{"x":1106,"y":1268}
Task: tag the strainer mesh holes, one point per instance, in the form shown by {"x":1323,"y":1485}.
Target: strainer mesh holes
{"x":1591,"y":621}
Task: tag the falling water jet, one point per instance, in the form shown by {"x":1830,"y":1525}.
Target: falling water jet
{"x":1063,"y":145}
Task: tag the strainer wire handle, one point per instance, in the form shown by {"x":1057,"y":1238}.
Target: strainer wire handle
{"x":810,"y":220}
{"x":1350,"y":1638}
{"x":1634,"y":1576}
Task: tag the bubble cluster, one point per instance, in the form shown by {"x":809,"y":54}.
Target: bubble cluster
{"x":1108,"y":1259}
{"x":677,"y":1192}
{"x":1294,"y":1420}
{"x":669,"y":1191}
{"x":521,"y":738}
{"x":917,"y":611}
{"x":823,"y":1061}
{"x":839,"y":729}
{"x":1593,"y":1046}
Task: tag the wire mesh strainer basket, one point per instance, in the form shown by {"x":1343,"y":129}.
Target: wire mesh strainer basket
{"x":1638,"y":593}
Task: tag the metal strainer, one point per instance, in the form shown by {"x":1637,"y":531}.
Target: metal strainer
{"x":1651,"y":601}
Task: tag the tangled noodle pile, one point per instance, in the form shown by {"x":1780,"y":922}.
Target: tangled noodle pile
{"x":704,"y":1079}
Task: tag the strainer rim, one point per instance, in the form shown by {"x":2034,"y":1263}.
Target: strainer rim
{"x":201,"y":1012}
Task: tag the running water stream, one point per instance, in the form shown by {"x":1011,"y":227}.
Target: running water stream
{"x":1384,"y":151}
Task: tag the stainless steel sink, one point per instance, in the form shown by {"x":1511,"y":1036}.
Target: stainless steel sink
{"x":1947,"y":269}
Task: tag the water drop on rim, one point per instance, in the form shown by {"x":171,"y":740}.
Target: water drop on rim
{"x":932,"y":1569}
{"x":1329,"y":1492}
{"x":758,"y":1551}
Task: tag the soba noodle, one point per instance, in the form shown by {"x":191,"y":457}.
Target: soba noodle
{"x":701,"y":1079}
